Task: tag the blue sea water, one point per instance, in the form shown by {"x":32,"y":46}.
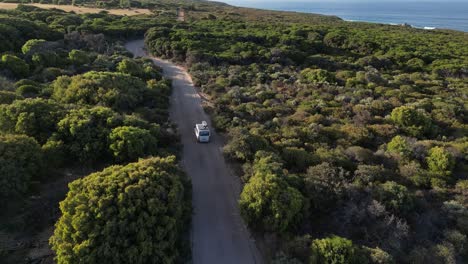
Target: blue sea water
{"x":447,"y":14}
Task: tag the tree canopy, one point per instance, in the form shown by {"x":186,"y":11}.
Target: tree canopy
{"x":124,"y":214}
{"x":119,"y":91}
{"x":130,"y":143}
{"x":37,"y":117}
{"x":267,"y":201}
{"x":85,"y":132}
{"x":334,"y":250}
{"x":68,"y":109}
{"x":20,"y":162}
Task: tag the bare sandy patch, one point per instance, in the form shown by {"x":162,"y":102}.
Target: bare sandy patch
{"x":83,"y":10}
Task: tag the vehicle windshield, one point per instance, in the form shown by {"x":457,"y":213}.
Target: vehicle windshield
{"x":204,"y":133}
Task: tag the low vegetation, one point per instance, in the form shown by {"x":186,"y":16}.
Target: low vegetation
{"x":352,"y":136}
{"x":72,"y":99}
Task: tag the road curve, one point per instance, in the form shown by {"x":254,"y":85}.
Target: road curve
{"x":219,"y":235}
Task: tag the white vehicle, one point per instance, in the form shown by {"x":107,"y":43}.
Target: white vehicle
{"x":202,"y":132}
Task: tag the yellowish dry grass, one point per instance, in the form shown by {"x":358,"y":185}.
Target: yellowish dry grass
{"x":82,"y":10}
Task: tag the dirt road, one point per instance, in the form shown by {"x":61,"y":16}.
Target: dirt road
{"x":219,"y":235}
{"x":83,"y":10}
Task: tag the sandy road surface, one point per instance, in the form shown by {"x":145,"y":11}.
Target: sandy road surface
{"x":219,"y":235}
{"x":83,"y":10}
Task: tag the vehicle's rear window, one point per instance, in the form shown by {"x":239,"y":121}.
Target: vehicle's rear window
{"x":204,"y":133}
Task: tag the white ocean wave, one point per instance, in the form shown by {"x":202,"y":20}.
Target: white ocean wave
{"x":392,"y":24}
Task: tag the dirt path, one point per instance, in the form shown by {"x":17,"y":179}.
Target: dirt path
{"x":219,"y":234}
{"x":84,"y":10}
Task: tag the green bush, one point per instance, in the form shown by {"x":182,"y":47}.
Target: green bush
{"x":124,"y":214}
{"x":317,"y":76}
{"x":119,"y":91}
{"x":267,"y":202}
{"x":32,"y":46}
{"x":20,"y":162}
{"x":324,"y":185}
{"x":440,"y":161}
{"x":129,"y":143}
{"x":79,"y":57}
{"x":243,"y":144}
{"x":369,"y":174}
{"x":298,"y":159}
{"x":395,"y":197}
{"x":129,"y":66}
{"x":85,"y":132}
{"x":8,"y":97}
{"x":47,"y":59}
{"x":18,"y":67}
{"x":27,"y":91}
{"x":414,"y":121}
{"x":378,"y":256}
{"x":33,"y":117}
{"x":399,"y":145}
{"x":333,"y":250}
{"x":55,"y":153}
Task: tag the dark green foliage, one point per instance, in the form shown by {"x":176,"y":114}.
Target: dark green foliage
{"x":16,"y":66}
{"x":7,"y":97}
{"x":335,"y":39}
{"x":15,"y":31}
{"x":317,"y":76}
{"x":400,"y":146}
{"x":415,"y":122}
{"x":395,"y":197}
{"x":378,"y":256}
{"x":129,"y":66}
{"x":72,"y":112}
{"x":365,"y":101}
{"x":267,"y":202}
{"x":79,"y":57}
{"x":32,"y":46}
{"x":119,"y":91}
{"x":334,"y":250}
{"x":47,"y":59}
{"x":124,"y":214}
{"x":55,"y":153}
{"x":128,"y":143}
{"x":50,"y":74}
{"x":440,"y":161}
{"x":20,"y":163}
{"x":33,"y":117}
{"x":244,"y":145}
{"x":85,"y":132}
{"x":298,"y":159}
{"x":144,"y":69}
{"x":324,"y":185}
{"x":369,"y":174}
{"x":28,"y":91}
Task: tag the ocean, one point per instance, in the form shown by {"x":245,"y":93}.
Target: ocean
{"x":448,"y":14}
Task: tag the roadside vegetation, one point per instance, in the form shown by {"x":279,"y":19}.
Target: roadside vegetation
{"x":74,"y":101}
{"x":352,"y":136}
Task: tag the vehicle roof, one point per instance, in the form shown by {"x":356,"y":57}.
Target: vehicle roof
{"x":201,"y":127}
